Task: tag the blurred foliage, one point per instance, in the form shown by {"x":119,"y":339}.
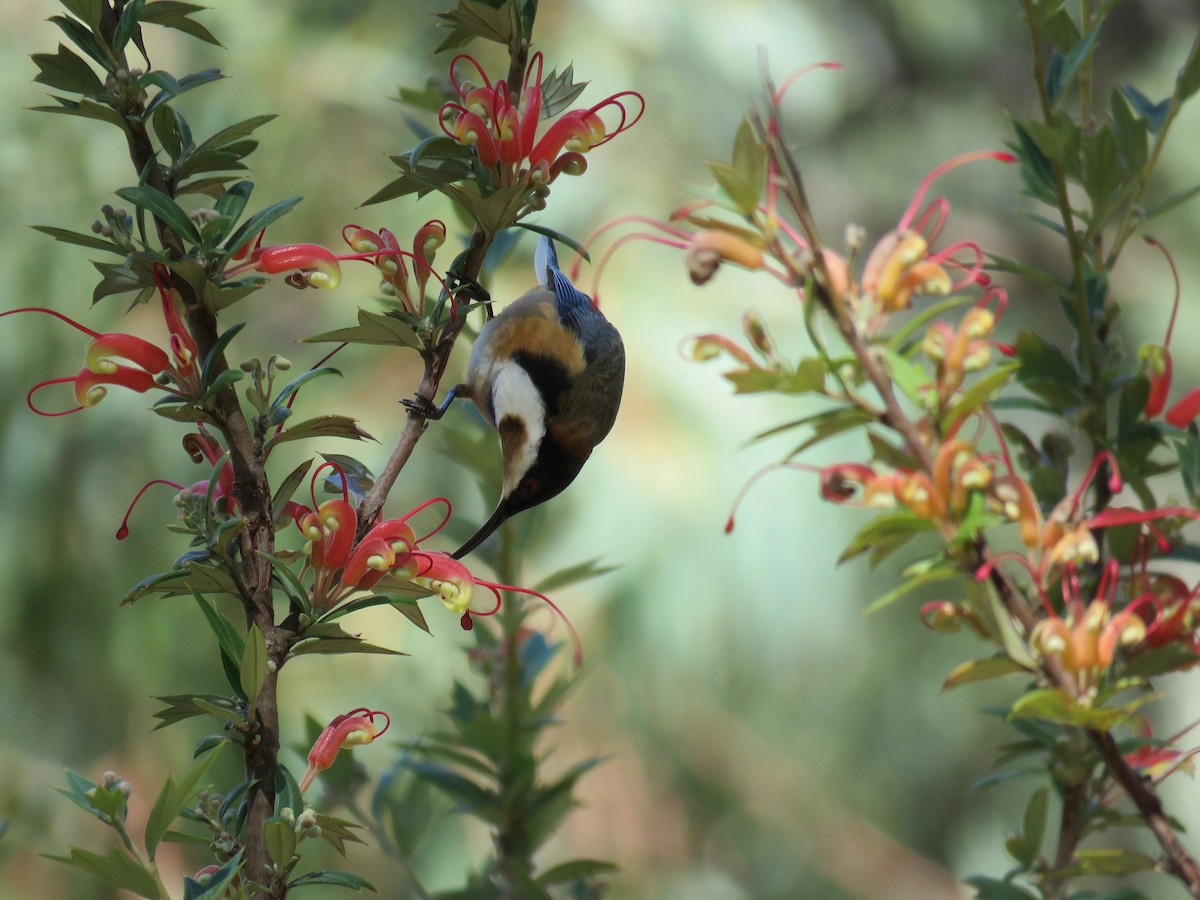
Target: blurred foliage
{"x":763,"y":740}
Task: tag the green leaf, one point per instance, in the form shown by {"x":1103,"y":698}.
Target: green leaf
{"x":146,"y":585}
{"x":834,"y":422}
{"x":938,"y":572}
{"x":1155,"y":114}
{"x":981,"y":392}
{"x":186,"y":706}
{"x":66,"y":71}
{"x":254,"y":666}
{"x":341,"y":645}
{"x":337,"y":831}
{"x":372,"y":328}
{"x":84,"y":39}
{"x":1160,"y":660}
{"x":1034,"y":825}
{"x":218,"y":882}
{"x":482,"y":802}
{"x":1112,"y":862}
{"x":126,"y":24}
{"x":1072,"y":61}
{"x":1052,"y":705}
{"x":119,"y":279}
{"x":884,"y":535}
{"x":229,"y":639}
{"x":583,"y":571}
{"x":296,"y":383}
{"x":472,"y":20}
{"x":169,"y":127}
{"x":222,"y":150}
{"x":87,"y":11}
{"x":1187,"y":82}
{"x":981,"y":670}
{"x":1131,"y":133}
{"x":992,"y":889}
{"x":1176,"y":199}
{"x":92,"y":242}
{"x":280,"y":837}
{"x":118,"y":868}
{"x":912,"y":379}
{"x":172,"y":14}
{"x":171,"y":801}
{"x":1045,"y":371}
{"x":574,"y":870}
{"x":288,"y":487}
{"x":163,"y":208}
{"x":1037,"y":170}
{"x":335,"y":877}
{"x":320,"y":426}
{"x":559,"y":90}
{"x":256,"y":223}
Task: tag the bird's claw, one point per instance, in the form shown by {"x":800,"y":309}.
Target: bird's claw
{"x":423,"y":407}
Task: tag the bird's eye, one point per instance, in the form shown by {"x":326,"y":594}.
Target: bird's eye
{"x":528,"y":487}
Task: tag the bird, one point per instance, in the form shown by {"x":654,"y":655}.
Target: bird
{"x":547,"y":372}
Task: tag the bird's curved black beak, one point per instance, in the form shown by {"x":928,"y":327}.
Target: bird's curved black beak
{"x":503,"y":511}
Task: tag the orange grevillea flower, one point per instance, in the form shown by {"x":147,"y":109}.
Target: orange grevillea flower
{"x":351,"y":729}
{"x":123,"y":360}
{"x":1085,"y":639}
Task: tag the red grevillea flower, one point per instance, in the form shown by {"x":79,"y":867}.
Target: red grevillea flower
{"x":503,"y":129}
{"x":454,"y":584}
{"x":152,"y":367}
{"x":1156,"y":361}
{"x":351,"y":729}
{"x":312,"y":265}
{"x":342,"y":566}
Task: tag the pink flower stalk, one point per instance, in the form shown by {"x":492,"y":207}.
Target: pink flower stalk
{"x":454,"y":585}
{"x":352,"y":729}
{"x":503,"y":129}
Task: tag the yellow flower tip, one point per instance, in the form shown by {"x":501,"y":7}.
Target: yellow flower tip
{"x":92,"y":396}
{"x":378,"y":563}
{"x":327,"y":279}
{"x":1096,"y":616}
{"x":978,"y":355}
{"x":978,"y":322}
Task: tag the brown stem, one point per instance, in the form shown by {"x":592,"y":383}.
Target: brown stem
{"x":1178,"y":861}
{"x":253,"y":493}
{"x":435,"y":368}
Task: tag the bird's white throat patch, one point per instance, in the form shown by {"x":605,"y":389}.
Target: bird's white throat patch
{"x":514,"y":394}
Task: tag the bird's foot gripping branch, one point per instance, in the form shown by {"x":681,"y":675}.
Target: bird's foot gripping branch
{"x":546,"y":372}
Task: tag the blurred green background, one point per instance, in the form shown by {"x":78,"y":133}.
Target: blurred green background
{"x":763,"y":738}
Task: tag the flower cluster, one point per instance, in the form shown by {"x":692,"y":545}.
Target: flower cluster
{"x":503,"y":129}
